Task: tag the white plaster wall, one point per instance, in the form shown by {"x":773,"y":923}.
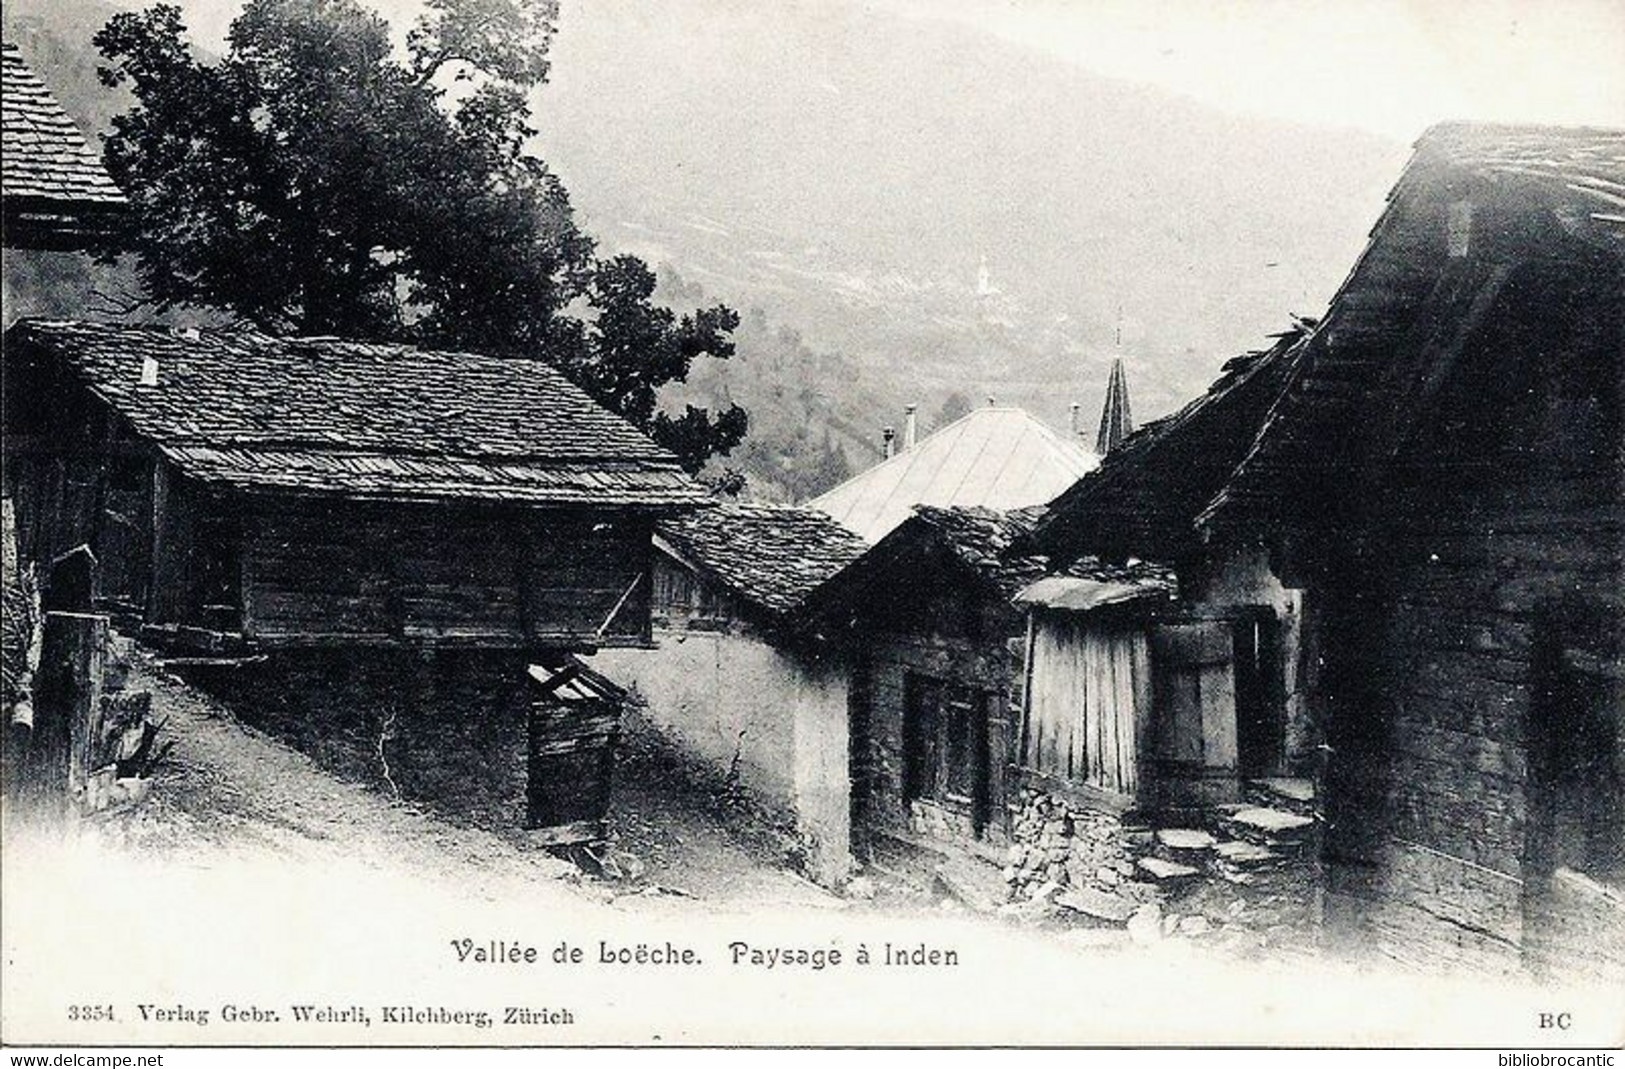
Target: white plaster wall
{"x":724,"y":694}
{"x":1241,"y":575}
{"x":823,"y":787}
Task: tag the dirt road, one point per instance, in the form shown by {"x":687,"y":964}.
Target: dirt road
{"x":227,"y":788}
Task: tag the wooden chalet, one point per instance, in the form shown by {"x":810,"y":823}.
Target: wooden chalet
{"x":1444,"y":479}
{"x":362,"y":548}
{"x":54,"y":192}
{"x":247,"y":492}
{"x":926,"y":622}
{"x":1140,"y":699}
{"x":731,"y":682}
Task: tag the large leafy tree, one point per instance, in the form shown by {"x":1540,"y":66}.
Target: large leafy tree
{"x":320,"y":180}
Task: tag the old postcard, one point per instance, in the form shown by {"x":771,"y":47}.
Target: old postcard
{"x":855,"y":522}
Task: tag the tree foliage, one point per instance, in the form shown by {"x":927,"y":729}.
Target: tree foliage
{"x":319,"y":180}
{"x":955,"y":406}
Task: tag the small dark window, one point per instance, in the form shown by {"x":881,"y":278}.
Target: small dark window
{"x":922,"y":698}
{"x":945,"y":728}
{"x":126,"y":474}
{"x":960,"y":765}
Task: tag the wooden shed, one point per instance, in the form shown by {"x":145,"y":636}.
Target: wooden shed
{"x":1088,"y":727}
{"x":1444,"y":478}
{"x":571,"y":732}
{"x":361,"y":547}
{"x":1163,"y":701}
{"x":244,"y":491}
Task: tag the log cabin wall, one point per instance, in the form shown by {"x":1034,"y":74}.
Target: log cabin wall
{"x":683,"y":600}
{"x":77,"y":477}
{"x":279,"y":490}
{"x":459,"y":574}
{"x":1500,"y":517}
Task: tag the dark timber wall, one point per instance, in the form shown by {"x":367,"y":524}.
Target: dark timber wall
{"x":1498,"y":533}
{"x":449,"y":573}
{"x":311,"y":570}
{"x":954,"y":634}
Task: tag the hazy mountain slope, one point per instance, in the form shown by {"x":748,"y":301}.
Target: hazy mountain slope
{"x":845,"y":175}
{"x":849,"y":170}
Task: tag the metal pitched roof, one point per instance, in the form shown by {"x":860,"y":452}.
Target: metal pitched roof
{"x":995,"y":457}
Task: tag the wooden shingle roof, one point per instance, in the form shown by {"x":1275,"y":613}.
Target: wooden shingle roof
{"x":772,"y":556}
{"x":1584,"y":165}
{"x":1144,"y":499}
{"x":322,"y":416}
{"x":1430,"y":269}
{"x":55,"y":191}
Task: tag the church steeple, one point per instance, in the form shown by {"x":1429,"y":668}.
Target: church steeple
{"x":1115,"y":421}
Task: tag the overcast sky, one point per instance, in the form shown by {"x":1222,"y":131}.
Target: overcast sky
{"x":1390,"y":66}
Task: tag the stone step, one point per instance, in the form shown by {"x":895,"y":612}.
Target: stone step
{"x":1272,"y":826}
{"x":1166,"y":871}
{"x":1289,"y":788}
{"x":1245,"y":855}
{"x":1113,"y":909}
{"x":1185,"y":839}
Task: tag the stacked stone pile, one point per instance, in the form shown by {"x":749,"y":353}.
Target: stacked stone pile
{"x":1243,"y":875}
{"x":1060,"y":847}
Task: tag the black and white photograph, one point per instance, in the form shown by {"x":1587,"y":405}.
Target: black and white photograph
{"x":813,"y":523}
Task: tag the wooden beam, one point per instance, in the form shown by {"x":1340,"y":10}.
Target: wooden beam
{"x":44,"y":445}
{"x":619,"y":604}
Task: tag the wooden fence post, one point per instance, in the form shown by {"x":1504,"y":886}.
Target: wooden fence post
{"x":67,"y":694}
{"x":67,"y":713}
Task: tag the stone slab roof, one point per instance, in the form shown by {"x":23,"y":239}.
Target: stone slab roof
{"x":53,"y":182}
{"x":323,"y":416}
{"x":772,"y":556}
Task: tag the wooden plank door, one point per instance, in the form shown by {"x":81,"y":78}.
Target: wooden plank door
{"x":1195,"y":694}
